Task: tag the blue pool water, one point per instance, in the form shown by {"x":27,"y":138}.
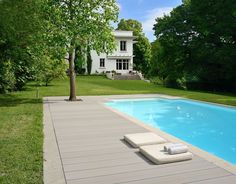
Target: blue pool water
{"x":209,"y":127}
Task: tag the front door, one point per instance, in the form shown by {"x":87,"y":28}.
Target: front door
{"x":122,"y":64}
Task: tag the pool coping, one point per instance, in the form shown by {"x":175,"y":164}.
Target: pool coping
{"x":195,"y":150}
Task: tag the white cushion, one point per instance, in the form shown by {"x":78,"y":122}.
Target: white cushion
{"x":157,"y":155}
{"x":141,"y":139}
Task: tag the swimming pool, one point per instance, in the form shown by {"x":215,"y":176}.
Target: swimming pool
{"x":209,"y":127}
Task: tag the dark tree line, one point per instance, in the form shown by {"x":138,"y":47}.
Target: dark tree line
{"x":196,"y":46}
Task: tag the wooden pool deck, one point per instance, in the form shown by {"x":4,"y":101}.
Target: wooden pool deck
{"x":84,"y":145}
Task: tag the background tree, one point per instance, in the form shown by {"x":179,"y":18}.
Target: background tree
{"x":77,"y":21}
{"x":48,"y":69}
{"x":89,"y":61}
{"x":80,"y":60}
{"x":7,"y":77}
{"x":156,"y":58}
{"x":173,"y":34}
{"x":198,"y":45}
{"x":142,"y":49}
{"x":216,"y":55}
{"x":20,"y":22}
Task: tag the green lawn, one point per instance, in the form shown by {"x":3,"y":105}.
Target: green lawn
{"x":21,"y":139}
{"x":98,"y":85}
{"x":21,"y":136}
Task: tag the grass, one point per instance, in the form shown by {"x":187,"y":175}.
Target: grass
{"x":21,"y":137}
{"x":98,"y":85}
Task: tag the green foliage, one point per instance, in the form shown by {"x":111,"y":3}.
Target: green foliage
{"x":198,"y":42}
{"x":7,"y":77}
{"x":86,"y":23}
{"x":142,"y":49}
{"x":48,"y":69}
{"x":131,"y":25}
{"x":89,"y":61}
{"x":20,"y":23}
{"x":82,"y":22}
{"x":80,"y":60}
{"x":80,"y":66}
{"x":156,"y":54}
{"x":157,"y":80}
{"x":32,"y":29}
{"x":142,"y":52}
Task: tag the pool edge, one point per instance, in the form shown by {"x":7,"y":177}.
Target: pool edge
{"x":197,"y":151}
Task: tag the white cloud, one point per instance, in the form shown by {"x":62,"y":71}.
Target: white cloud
{"x":152,"y":15}
{"x":149,"y":20}
{"x":119,"y":5}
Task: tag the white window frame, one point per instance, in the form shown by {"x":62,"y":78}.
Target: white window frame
{"x":122,"y":64}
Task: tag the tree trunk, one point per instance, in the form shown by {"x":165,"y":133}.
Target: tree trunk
{"x":72,"y":74}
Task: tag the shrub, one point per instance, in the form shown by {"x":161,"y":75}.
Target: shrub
{"x":7,"y":77}
{"x":157,"y":80}
{"x":49,"y":69}
{"x":179,"y":83}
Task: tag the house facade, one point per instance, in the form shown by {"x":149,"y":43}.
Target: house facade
{"x":121,"y":60}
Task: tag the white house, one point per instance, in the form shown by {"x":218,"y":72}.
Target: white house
{"x":121,"y":60}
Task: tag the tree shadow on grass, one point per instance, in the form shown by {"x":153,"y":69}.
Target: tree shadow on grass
{"x":35,"y":86}
{"x":12,"y":100}
{"x":160,"y":89}
{"x":122,"y":85}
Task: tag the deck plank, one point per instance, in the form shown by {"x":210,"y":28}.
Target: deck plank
{"x":92,"y":150}
{"x":218,"y":180}
{"x":138,"y":170}
{"x":191,"y":176}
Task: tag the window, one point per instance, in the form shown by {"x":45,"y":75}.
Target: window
{"x":122,"y":64}
{"x":125,"y":64}
{"x":119,"y":64}
{"x":102,"y":62}
{"x":123,"y":45}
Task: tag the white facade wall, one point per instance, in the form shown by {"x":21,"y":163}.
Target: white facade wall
{"x":110,"y":59}
{"x":110,"y":64}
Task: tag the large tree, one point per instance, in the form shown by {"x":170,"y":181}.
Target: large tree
{"x":215,"y":23}
{"x":198,"y":44}
{"x":142,"y":49}
{"x":20,"y":23}
{"x":81,"y":22}
{"x":173,"y":34}
{"x":156,"y":57}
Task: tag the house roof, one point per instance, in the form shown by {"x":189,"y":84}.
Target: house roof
{"x":124,"y":34}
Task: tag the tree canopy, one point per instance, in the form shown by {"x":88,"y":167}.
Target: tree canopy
{"x":84,"y":23}
{"x":20,"y":22}
{"x":25,"y":43}
{"x":36,"y":35}
{"x":198,"y":42}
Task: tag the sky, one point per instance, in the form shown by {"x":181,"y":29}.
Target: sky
{"x":146,"y":11}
